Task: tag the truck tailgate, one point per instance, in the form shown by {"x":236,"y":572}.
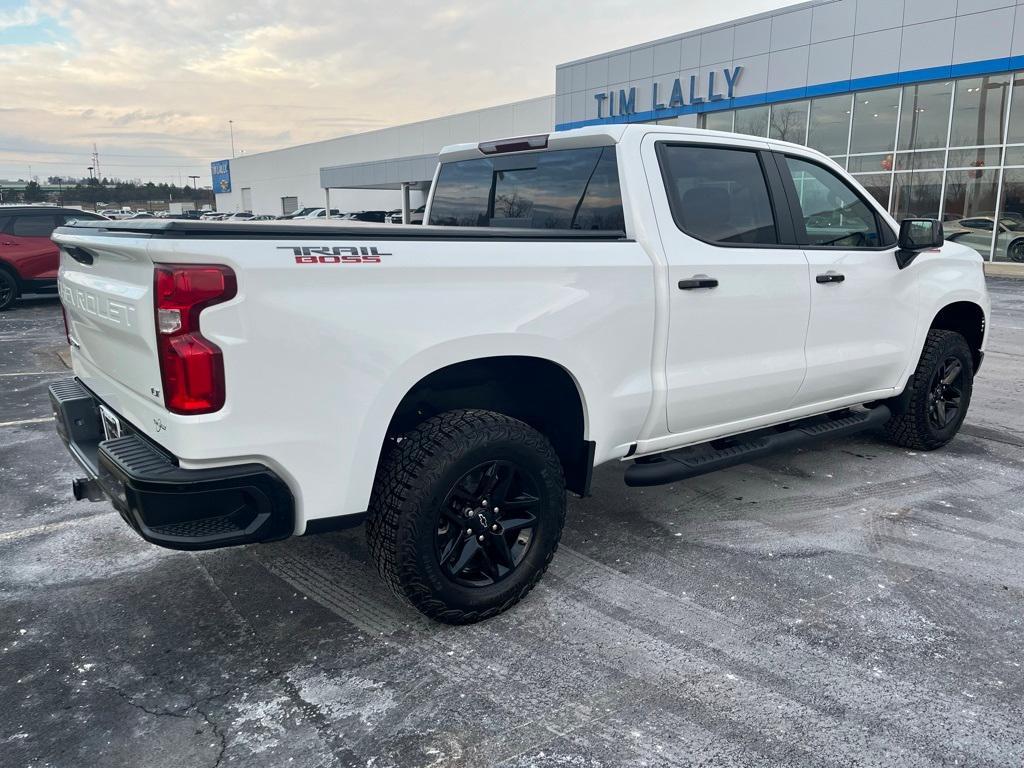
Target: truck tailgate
{"x":106,"y":286}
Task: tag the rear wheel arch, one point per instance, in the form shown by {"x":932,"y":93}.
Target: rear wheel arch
{"x":534,"y":390}
{"x":10,"y":270}
{"x":10,"y":292}
{"x":967,"y":319}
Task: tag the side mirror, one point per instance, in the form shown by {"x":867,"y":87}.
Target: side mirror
{"x":917,"y":235}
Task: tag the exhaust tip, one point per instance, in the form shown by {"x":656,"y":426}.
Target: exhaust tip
{"x":86,"y":489}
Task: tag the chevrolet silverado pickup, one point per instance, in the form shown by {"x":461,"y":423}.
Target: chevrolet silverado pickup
{"x":678,"y":299}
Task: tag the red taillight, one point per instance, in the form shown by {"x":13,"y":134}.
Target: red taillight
{"x":191,"y":366}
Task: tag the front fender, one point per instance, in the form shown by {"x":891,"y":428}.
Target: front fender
{"x":954,"y":273}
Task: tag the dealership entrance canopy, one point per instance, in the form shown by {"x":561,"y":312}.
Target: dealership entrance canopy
{"x":923,"y":100}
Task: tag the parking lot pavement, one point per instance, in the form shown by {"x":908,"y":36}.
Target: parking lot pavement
{"x":857,"y":604}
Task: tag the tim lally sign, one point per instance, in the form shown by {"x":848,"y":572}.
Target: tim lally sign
{"x":612,"y":104}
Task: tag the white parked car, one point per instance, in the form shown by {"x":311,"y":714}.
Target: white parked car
{"x":298,"y":213}
{"x":673,"y":298}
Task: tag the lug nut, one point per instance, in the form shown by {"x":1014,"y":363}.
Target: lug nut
{"x":469,"y":531}
{"x":468,"y":512}
{"x":483,"y":503}
{"x":480,"y":538}
{"x":496,"y":510}
{"x":494,"y":527}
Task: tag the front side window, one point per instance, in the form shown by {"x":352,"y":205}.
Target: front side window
{"x":33,"y":225}
{"x":559,"y":189}
{"x":718,"y":195}
{"x":833,"y":214}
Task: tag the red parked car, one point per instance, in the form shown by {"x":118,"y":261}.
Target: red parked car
{"x":28,"y":257}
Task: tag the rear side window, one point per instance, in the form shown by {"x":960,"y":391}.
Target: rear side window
{"x":559,"y":189}
{"x":718,"y":195}
{"x":833,"y":214}
{"x":83,"y":216}
{"x":33,"y":225}
{"x":4,"y":221}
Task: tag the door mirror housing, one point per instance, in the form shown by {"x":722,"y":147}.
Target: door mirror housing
{"x":917,"y":235}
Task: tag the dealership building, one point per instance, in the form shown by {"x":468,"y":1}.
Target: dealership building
{"x":922,"y":100}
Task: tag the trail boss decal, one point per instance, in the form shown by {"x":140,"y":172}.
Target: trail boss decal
{"x":337,"y":254}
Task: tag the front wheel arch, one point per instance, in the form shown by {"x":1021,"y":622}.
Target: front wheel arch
{"x":966,"y":318}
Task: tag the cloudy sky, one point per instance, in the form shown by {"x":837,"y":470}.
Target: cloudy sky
{"x":154,"y":84}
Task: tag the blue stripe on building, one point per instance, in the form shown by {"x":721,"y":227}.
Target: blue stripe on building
{"x":910,"y":77}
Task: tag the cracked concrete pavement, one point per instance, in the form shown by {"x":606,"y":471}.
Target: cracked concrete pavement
{"x":856,"y":604}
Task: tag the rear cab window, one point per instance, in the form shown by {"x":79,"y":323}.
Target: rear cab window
{"x":555,"y":189}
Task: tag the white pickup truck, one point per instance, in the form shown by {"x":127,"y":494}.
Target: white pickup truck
{"x":681,"y":299}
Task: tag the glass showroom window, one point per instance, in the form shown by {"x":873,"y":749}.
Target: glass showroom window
{"x":979,"y":111}
{"x":1010,"y":238}
{"x":880,"y":163}
{"x":829,"y":130}
{"x":970,"y":204}
{"x":917,"y":194}
{"x":970,"y":194}
{"x":752,"y":121}
{"x":1015,"y":134}
{"x":924,"y":120}
{"x":718,"y":121}
{"x":921,"y":161}
{"x":789,"y":122}
{"x":875,"y":114}
{"x":877,"y":185}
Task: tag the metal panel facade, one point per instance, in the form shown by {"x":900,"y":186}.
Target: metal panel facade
{"x":812,"y":49}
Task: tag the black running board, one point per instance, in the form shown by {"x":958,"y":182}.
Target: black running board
{"x":728,"y":452}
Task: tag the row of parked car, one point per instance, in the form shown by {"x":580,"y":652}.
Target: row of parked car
{"x":29,"y":259}
{"x":378,"y":217}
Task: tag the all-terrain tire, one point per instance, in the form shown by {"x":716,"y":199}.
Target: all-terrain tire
{"x":8,"y":290}
{"x":911,"y":425}
{"x":412,"y":485}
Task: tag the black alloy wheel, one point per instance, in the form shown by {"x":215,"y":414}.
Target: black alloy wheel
{"x":486,"y":524}
{"x":946,"y":393}
{"x":934,"y":404}
{"x":466,"y":514}
{"x":1016,"y":251}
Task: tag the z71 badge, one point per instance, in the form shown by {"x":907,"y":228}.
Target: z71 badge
{"x":337,"y":254}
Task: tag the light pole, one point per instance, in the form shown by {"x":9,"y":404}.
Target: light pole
{"x":231,"y":128}
{"x":195,"y":192}
{"x":60,"y":191}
